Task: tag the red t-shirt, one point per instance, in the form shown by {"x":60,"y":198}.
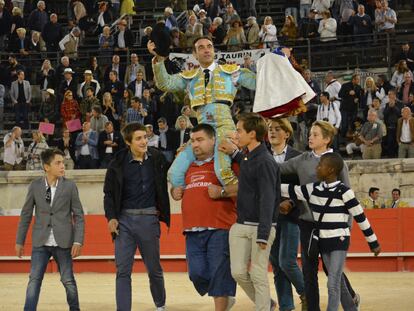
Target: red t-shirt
{"x":198,"y":209}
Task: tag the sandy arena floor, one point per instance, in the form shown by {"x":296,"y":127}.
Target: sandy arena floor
{"x":379,"y":291}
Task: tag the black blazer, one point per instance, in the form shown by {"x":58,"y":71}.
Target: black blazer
{"x":116,"y":139}
{"x":172,"y":141}
{"x":114,"y":180}
{"x":63,"y":87}
{"x":51,"y":84}
{"x":187,"y":133}
{"x":128,"y":37}
{"x":121,"y":72}
{"x":59,"y":144}
{"x":132,"y":86}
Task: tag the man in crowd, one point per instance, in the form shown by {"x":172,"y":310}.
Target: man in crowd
{"x":123,"y":40}
{"x":117,"y":67}
{"x":13,"y":150}
{"x":109,"y":143}
{"x":70,"y":43}
{"x":67,"y":84}
{"x":21,"y":97}
{"x":392,"y":112}
{"x":351,"y":95}
{"x":373,"y":201}
{"x":136,"y":113}
{"x":136,"y":200}
{"x":371,"y":137}
{"x":406,"y":53}
{"x":362,"y":24}
{"x":58,"y":230}
{"x":153,"y":139}
{"x":86,"y":148}
{"x":138,"y":85}
{"x":396,"y":201}
{"x":406,"y":89}
{"x":167,"y":140}
{"x":132,"y":69}
{"x":38,"y":18}
{"x":52,"y":33}
{"x":114,"y":86}
{"x":206,"y":224}
{"x":308,"y":26}
{"x":405,"y":134}
{"x":89,"y":82}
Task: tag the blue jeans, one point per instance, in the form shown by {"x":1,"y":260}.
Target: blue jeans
{"x":142,"y":231}
{"x":304,"y":10}
{"x":208,"y":259}
{"x":292,"y":11}
{"x":285,"y":267}
{"x":40,"y":259}
{"x":338,"y":292}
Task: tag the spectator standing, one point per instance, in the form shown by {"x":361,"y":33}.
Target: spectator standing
{"x":123,"y":106}
{"x":21,"y":97}
{"x":320,"y":6}
{"x":267,"y":33}
{"x":370,"y":89}
{"x":35,"y":149}
{"x":392,"y":112}
{"x":47,"y":110}
{"x":67,"y":145}
{"x":183,"y":131}
{"x":387,"y":18}
{"x":361,"y":24}
{"x":351,"y":95}
{"x":407,"y":88}
{"x":70,"y":43}
{"x":109,"y":110}
{"x":304,"y":8}
{"x":405,"y":134}
{"x":170,"y":20}
{"x":60,"y":69}
{"x":138,"y":85}
{"x":86,"y":148}
{"x":406,"y":53}
{"x":289,"y":31}
{"x":68,"y":84}
{"x":136,"y":200}
{"x":12,"y":69}
{"x":13,"y":150}
{"x":328,"y":111}
{"x":252,"y":33}
{"x":398,"y":75}
{"x":98,"y":120}
{"x":123,"y":41}
{"x":114,"y":86}
{"x":136,"y":113}
{"x":194,"y":30}
{"x":383,"y":87}
{"x":117,"y":67}
{"x":59,"y":233}
{"x":87,"y":103}
{"x":291,"y":9}
{"x":308,"y":26}
{"x":230,"y":15}
{"x":371,"y":137}
{"x":153,"y":139}
{"x":327,"y":27}
{"x":89,"y":82}
{"x":150,"y":105}
{"x":211,"y":7}
{"x":132,"y":70}
{"x":69,"y":110}
{"x":109,"y":143}
{"x":167,"y":140}
{"x":373,"y":201}
{"x":38,"y":18}
{"x":52,"y":33}
{"x":205,"y":21}
{"x":46,"y":76}
{"x":106,"y":45}
{"x":17,"y":21}
{"x":235,"y":38}
{"x":104,"y":16}
{"x":20,"y":44}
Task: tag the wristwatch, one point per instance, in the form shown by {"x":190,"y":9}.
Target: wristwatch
{"x":222,"y":192}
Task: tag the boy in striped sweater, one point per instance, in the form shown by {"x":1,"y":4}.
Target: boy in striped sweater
{"x":334,"y":231}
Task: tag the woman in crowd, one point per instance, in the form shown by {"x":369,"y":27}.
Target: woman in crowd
{"x":289,"y":31}
{"x":217,"y":31}
{"x":268,"y":33}
{"x":96,"y":69}
{"x":370,"y":89}
{"x":47,"y":110}
{"x":38,"y":145}
{"x":16,"y":22}
{"x":193,"y":30}
{"x":46,"y":76}
{"x":398,"y":75}
{"x":235,"y":38}
{"x":69,"y":110}
{"x":123,"y":106}
{"x":327,"y":27}
{"x":109,"y":110}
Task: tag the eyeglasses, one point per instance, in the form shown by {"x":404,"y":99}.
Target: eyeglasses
{"x":48,"y":195}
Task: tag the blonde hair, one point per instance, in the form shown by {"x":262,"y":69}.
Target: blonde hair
{"x":16,"y":11}
{"x":107,"y":97}
{"x":370,"y":79}
{"x":284,"y":123}
{"x":327,"y":129}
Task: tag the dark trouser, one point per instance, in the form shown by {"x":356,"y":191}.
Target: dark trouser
{"x":86,"y":162}
{"x":283,"y":257}
{"x":310,"y":270}
{"x":348,"y":119}
{"x":40,"y":259}
{"x":208,"y":259}
{"x":391,"y":143}
{"x":21,"y":111}
{"x":106,"y":159}
{"x":142,"y":231}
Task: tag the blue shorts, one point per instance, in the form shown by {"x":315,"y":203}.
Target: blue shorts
{"x":208,"y":260}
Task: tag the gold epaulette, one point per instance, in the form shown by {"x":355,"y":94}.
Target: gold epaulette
{"x":189,"y":74}
{"x":229,"y":68}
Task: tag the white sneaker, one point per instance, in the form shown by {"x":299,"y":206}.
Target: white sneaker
{"x":163,"y":308}
{"x":230,"y":302}
{"x":357,"y":301}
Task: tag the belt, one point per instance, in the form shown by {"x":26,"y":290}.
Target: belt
{"x":140,"y":211}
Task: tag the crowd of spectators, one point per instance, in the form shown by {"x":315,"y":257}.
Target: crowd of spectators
{"x":115,"y":86}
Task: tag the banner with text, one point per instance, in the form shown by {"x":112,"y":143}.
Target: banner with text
{"x":188,"y":62}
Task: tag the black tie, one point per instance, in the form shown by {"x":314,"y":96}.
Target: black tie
{"x":48,"y":195}
{"x":206,"y":77}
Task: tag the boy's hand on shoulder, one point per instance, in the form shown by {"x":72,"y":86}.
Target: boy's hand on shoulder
{"x":376,"y":250}
{"x":285,"y":207}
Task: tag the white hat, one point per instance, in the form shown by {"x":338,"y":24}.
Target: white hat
{"x":202,"y":11}
{"x":51,"y":91}
{"x":68,"y":70}
{"x":87,"y":72}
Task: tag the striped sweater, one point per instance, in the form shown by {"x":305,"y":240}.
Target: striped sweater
{"x":334,"y":228}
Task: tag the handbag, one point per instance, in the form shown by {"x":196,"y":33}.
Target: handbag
{"x":313,"y":246}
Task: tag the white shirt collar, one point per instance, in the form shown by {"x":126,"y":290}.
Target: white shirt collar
{"x":55,"y":186}
{"x":283,"y":151}
{"x":318,"y":156}
{"x":211,"y":67}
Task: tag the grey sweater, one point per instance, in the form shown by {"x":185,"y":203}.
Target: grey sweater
{"x":304,"y":166}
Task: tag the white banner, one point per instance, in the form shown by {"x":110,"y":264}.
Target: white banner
{"x":188,"y":62}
